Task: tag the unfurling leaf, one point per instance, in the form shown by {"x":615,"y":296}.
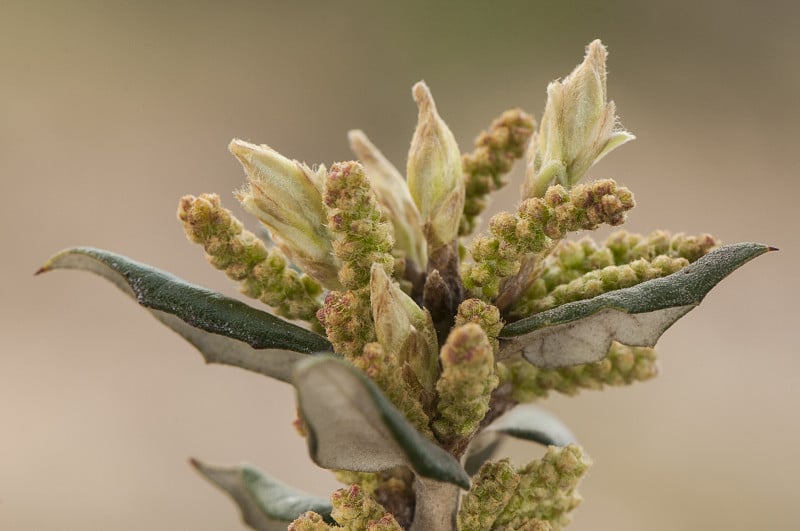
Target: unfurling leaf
{"x":223,"y":329}
{"x":352,"y":426}
{"x":582,"y":331}
{"x":266,"y":504}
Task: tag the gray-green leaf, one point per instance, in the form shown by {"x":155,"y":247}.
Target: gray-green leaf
{"x":266,"y":504}
{"x":524,"y":422}
{"x":353,"y":426}
{"x":582,"y":331}
{"x":223,"y":329}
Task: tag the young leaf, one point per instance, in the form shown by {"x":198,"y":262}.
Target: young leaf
{"x":223,"y":329}
{"x":352,"y":426}
{"x":525,"y":422}
{"x":266,"y":504}
{"x":582,"y":331}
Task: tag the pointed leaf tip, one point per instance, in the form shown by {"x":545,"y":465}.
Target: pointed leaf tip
{"x":353,"y":426}
{"x":582,"y":331}
{"x":223,"y":329}
{"x":265,"y":503}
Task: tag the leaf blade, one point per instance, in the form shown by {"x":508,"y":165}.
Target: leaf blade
{"x":352,"y":426}
{"x":582,"y":331}
{"x":224,"y":330}
{"x":265,"y":503}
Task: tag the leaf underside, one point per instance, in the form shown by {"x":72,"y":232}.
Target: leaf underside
{"x":265,"y":503}
{"x":582,"y":331}
{"x":224,"y":330}
{"x":352,"y":426}
{"x":525,"y":422}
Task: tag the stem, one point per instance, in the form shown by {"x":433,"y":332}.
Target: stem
{"x":436,"y":505}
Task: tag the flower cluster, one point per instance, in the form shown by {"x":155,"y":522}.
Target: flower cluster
{"x":412,"y":350}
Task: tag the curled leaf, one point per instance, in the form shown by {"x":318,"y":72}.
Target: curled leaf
{"x":266,"y":504}
{"x":582,"y":331}
{"x":352,"y":426}
{"x":223,"y":329}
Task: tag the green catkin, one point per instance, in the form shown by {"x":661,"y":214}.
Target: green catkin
{"x":356,"y":510}
{"x":540,"y":222}
{"x":547,"y":488}
{"x":622,"y":366}
{"x":262,"y":274}
{"x":362,"y":236}
{"x":486,"y":167}
{"x":491,"y":490}
{"x":466,"y":383}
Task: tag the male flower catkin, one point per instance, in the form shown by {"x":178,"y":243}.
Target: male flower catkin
{"x":485,"y":168}
{"x":538,"y":223}
{"x":466,"y":384}
{"x":263,"y":274}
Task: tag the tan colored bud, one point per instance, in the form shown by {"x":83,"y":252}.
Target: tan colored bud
{"x":403,"y":328}
{"x":579,"y":127}
{"x":285,"y":196}
{"x":394,"y":198}
{"x":435,"y":177}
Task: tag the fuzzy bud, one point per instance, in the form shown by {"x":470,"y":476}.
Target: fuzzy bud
{"x":404,"y":328}
{"x":283,"y":195}
{"x":310,"y":521}
{"x":435,"y":176}
{"x":394,"y":198}
{"x":579,"y":127}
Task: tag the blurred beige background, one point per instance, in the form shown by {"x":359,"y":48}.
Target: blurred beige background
{"x":112,"y":110}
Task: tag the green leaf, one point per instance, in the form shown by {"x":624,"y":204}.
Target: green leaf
{"x":266,"y":504}
{"x":223,"y":329}
{"x":525,"y":422}
{"x":353,"y":426}
{"x":582,"y":331}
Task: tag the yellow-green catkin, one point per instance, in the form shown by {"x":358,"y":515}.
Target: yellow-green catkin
{"x":356,"y":510}
{"x":310,"y":521}
{"x":362,"y":237}
{"x":547,"y":488}
{"x":540,"y":222}
{"x":466,"y":383}
{"x":347,"y":319}
{"x":486,"y":167}
{"x":382,"y":368}
{"x":484,"y":315}
{"x":577,"y":270}
{"x":626,"y":247}
{"x":622,"y":366}
{"x":491,"y":490}
{"x":262,"y":274}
